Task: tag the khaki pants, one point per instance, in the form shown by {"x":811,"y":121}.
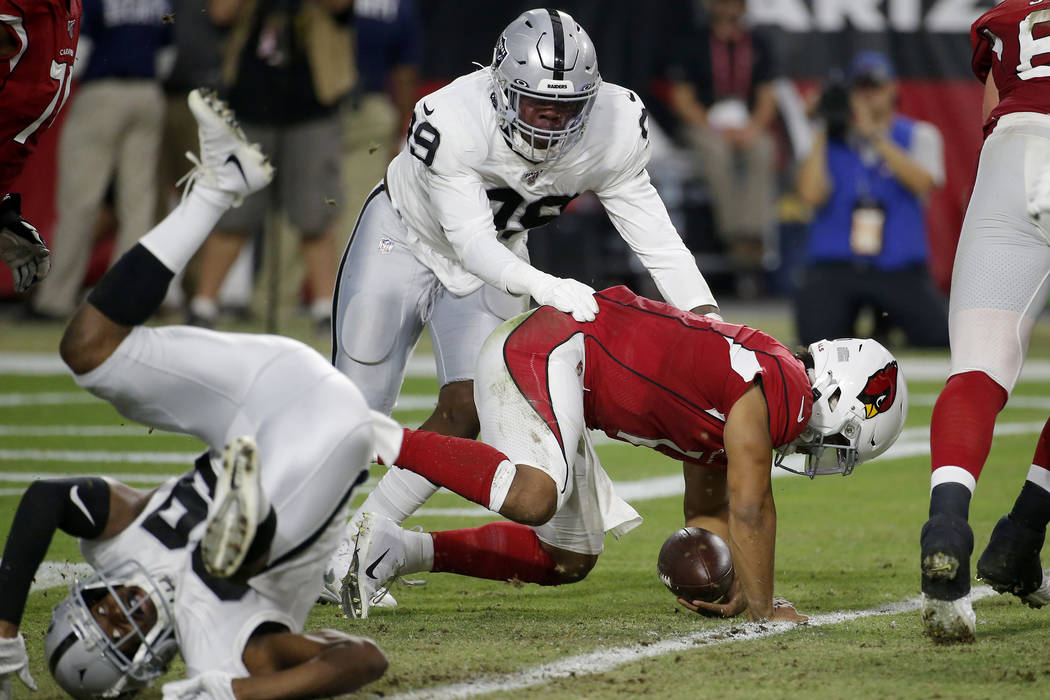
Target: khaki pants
{"x":366,"y":153}
{"x":743,"y":186}
{"x":112,"y":131}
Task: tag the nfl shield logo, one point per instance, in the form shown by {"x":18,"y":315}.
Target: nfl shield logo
{"x":530,"y":177}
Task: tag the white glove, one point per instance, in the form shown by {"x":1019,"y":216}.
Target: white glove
{"x":566,"y":294}
{"x":14,"y":659}
{"x":210,"y":685}
{"x":1039,"y":196}
{"x":21,"y":246}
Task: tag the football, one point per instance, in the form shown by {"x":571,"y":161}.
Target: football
{"x":695,"y":564}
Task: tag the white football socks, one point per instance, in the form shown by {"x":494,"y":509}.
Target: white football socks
{"x":175,"y":239}
{"x":419,"y":552}
{"x":398,"y":495}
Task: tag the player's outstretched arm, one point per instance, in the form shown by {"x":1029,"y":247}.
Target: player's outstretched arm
{"x":315,"y":664}
{"x":752,"y":513}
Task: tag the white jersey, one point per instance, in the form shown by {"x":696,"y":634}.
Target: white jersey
{"x":214,"y":617}
{"x":457,"y":178}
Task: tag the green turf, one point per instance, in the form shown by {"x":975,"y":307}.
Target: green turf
{"x":843,"y":544}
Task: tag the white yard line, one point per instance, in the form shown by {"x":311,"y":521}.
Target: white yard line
{"x":422,"y":366}
{"x":604,"y":660}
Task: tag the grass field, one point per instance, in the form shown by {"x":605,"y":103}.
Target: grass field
{"x":844,"y":546}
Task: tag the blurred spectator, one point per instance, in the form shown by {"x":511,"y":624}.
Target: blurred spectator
{"x":722,"y":93}
{"x":389,"y":50}
{"x":867,"y":178}
{"x":198,"y":63}
{"x":112,"y":132}
{"x":286,"y":65}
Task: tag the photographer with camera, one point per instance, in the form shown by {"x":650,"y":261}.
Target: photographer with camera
{"x":867,"y":178}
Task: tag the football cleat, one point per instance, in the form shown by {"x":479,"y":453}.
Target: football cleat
{"x":947,"y":612}
{"x":379,"y":554}
{"x":339,"y":565}
{"x":238,"y":509}
{"x":227,"y":161}
{"x":948,"y":621}
{"x":1010,"y":563}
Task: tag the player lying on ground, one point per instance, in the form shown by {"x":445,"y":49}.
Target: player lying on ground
{"x":1000,"y":284}
{"x":223,"y":563}
{"x":717,"y":395}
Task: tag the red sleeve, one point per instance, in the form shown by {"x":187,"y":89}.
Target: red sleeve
{"x":981,"y":61}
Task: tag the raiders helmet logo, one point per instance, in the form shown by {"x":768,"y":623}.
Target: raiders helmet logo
{"x":880,"y":391}
{"x":500,"y":53}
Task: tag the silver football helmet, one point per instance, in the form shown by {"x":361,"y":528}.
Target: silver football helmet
{"x":860,"y":402}
{"x":545,"y":56}
{"x":88,"y":663}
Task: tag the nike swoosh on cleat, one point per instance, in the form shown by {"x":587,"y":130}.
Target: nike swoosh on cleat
{"x":427,"y":111}
{"x":237,"y":162}
{"x":370,"y":572}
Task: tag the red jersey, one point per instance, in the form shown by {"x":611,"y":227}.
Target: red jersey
{"x":1012,"y":41}
{"x":34,"y":80}
{"x":661,"y":377}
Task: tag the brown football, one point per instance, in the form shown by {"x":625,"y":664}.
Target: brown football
{"x":695,"y":564}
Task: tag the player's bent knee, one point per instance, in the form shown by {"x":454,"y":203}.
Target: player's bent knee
{"x":572,"y":567}
{"x":532,"y":498}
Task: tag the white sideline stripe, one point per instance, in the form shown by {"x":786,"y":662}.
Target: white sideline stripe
{"x":913,"y":442}
{"x":52,"y":574}
{"x":31,"y":455}
{"x":604,"y":660}
{"x":422,"y":366}
{"x":74,"y":430}
{"x":48,"y":398}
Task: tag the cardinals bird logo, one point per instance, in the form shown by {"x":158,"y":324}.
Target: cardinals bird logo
{"x":880,"y":391}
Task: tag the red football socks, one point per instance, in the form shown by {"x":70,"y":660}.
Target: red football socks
{"x":462,"y":466}
{"x":499,"y":551}
{"x":963,"y":421}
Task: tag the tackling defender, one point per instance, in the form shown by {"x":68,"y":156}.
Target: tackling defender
{"x":723,"y":398}
{"x":441,"y":241}
{"x":1000,"y":284}
{"x":221,"y":564}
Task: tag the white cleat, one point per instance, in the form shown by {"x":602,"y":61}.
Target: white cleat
{"x":379,"y":555}
{"x":1040,"y":596}
{"x":339,"y":565}
{"x":949,"y":620}
{"x":237,"y":510}
{"x":227,"y":161}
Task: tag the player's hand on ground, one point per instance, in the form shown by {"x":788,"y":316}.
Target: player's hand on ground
{"x":21,"y":247}
{"x":1039,"y":197}
{"x":14,"y":661}
{"x":567,"y":295}
{"x":210,"y":685}
{"x":784,"y":611}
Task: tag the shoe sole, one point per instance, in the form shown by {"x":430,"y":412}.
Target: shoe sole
{"x":352,"y":601}
{"x":232,"y":526}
